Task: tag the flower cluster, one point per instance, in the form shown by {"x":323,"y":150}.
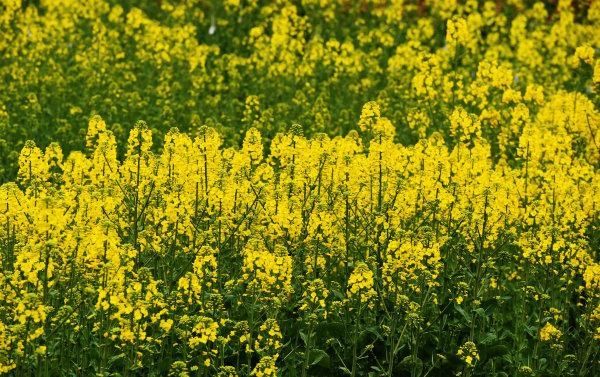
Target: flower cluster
{"x":549,"y":333}
{"x":360,"y":285}
{"x":468,"y":353}
{"x":369,"y":187}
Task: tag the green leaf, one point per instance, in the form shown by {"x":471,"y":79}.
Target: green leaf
{"x":488,"y":338}
{"x":328,"y":330}
{"x":531,"y":330}
{"x":116,"y":358}
{"x":338,"y":294}
{"x":345,"y":370}
{"x":304,"y":337}
{"x":462,"y":311}
{"x":498,"y":350}
{"x":374,"y":330}
{"x":319,"y":357}
{"x":408,"y":363}
{"x":480,"y":312}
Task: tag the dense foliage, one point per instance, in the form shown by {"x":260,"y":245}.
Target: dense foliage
{"x":320,"y":188}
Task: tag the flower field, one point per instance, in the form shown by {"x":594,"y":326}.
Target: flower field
{"x":300,"y":188}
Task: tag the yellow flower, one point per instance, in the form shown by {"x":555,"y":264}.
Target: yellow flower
{"x":585,"y":53}
{"x":549,"y":333}
{"x":463,"y":125}
{"x":457,"y":31}
{"x":265,"y":367}
{"x":468,"y":353}
{"x":360,"y":284}
{"x":369,"y":115}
